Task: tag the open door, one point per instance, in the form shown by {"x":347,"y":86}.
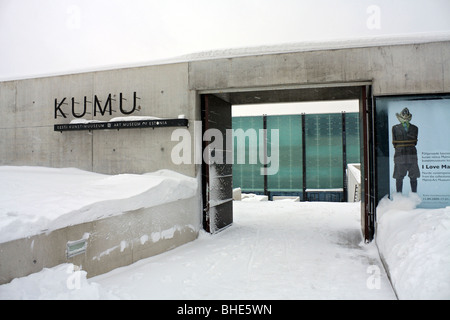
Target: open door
{"x":368,"y":199}
{"x":217,"y":180}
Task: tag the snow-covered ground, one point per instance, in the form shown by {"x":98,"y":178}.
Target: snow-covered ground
{"x":273,"y":250}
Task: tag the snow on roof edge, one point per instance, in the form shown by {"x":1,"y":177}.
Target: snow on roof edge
{"x":306,"y":46}
{"x":332,"y":44}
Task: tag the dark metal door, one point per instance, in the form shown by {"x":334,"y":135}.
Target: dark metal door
{"x":368,"y":201}
{"x":217,"y":166}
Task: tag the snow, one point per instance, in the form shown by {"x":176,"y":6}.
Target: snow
{"x":116,"y":119}
{"x":134,"y":118}
{"x":253,"y":197}
{"x":273,"y":250}
{"x":48,"y":284}
{"x":331,"y":44}
{"x":415,"y":244}
{"x":37,"y":199}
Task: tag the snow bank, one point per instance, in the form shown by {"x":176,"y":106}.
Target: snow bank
{"x":117,"y":119}
{"x":37,"y":199}
{"x":330,"y":44}
{"x":415,"y":245}
{"x":253,"y":197}
{"x":63,"y":282}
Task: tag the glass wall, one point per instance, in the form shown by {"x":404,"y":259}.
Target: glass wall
{"x":323,"y":151}
{"x":322,"y":146}
{"x":246,"y":174}
{"x":352,"y":137}
{"x":290,"y":176}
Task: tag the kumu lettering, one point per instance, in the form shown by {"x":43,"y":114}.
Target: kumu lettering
{"x":78,"y":109}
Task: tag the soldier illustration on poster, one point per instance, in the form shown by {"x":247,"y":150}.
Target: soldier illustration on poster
{"x":404,"y":139}
{"x":418,"y":148}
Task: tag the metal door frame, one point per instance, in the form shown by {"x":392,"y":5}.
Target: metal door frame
{"x":368,"y":161}
{"x":220,"y":208}
{"x":367,"y":131}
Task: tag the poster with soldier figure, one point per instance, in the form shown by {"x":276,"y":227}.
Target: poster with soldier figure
{"x":420,"y":149}
{"x":404,"y":140}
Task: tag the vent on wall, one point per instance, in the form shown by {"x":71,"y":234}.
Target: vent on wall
{"x":76,"y":247}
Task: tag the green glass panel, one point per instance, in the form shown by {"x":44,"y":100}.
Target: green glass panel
{"x":289,"y":176}
{"x":323,"y":151}
{"x":246,"y":174}
{"x":352,"y":137}
{"x":323,"y":135}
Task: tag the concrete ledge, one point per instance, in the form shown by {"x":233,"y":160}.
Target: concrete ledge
{"x":291,"y":198}
{"x":354,"y":182}
{"x":110,"y":243}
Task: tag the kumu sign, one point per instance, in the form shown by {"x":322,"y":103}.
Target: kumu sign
{"x":97,"y":105}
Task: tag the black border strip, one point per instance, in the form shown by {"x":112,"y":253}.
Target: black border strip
{"x":117,"y":125}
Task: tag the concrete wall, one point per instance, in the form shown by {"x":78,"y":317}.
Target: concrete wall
{"x":396,"y":69}
{"x":353,"y":182}
{"x":28,"y":109}
{"x":27,"y":120}
{"x":27,"y":125}
{"x":111,"y":243}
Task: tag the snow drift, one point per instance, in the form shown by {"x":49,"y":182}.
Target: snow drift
{"x":48,"y":284}
{"x":415,"y":245}
{"x":40,"y":199}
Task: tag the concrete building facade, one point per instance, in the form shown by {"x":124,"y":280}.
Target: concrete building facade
{"x":199,"y":89}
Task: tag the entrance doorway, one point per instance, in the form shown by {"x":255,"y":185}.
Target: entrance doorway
{"x":217,"y":173}
{"x":314,"y":141}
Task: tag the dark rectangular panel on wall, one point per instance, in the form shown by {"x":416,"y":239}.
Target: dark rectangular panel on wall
{"x":344,"y":157}
{"x":368,"y":202}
